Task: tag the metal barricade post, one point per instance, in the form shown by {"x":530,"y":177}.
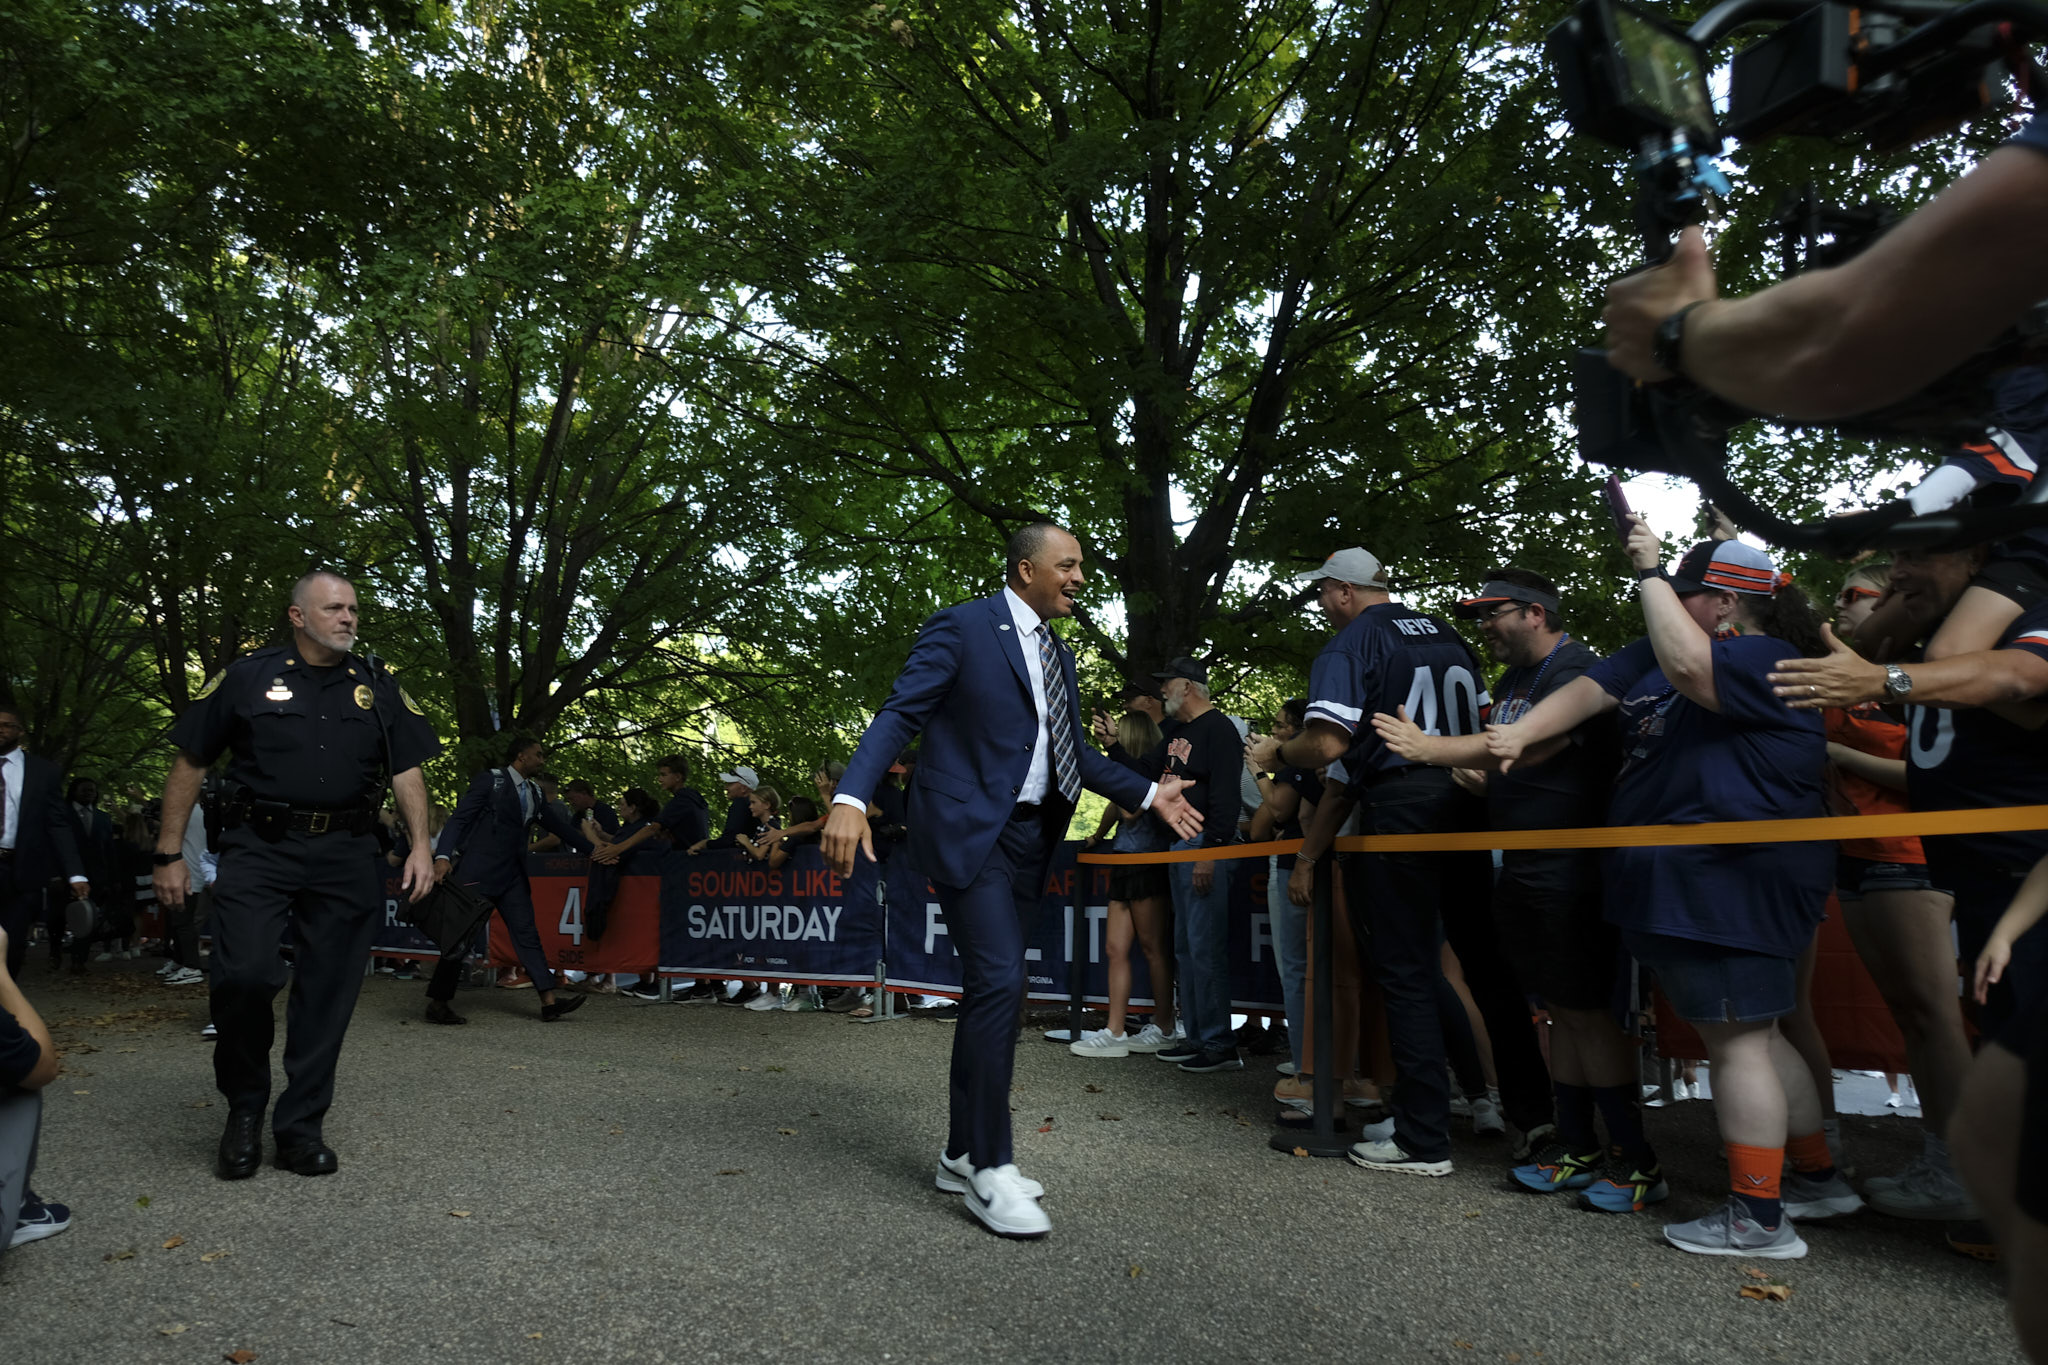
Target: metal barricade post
{"x":885,"y":1000}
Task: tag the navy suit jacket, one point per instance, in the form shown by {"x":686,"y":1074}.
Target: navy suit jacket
{"x":965,"y":689}
{"x":489,"y":831}
{"x":45,"y":842}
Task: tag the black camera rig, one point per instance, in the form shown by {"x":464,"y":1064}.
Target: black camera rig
{"x":1883,"y":75}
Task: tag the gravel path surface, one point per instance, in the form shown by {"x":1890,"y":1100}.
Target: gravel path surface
{"x":682,"y":1183}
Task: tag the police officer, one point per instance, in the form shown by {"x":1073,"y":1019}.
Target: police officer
{"x":314,"y":730}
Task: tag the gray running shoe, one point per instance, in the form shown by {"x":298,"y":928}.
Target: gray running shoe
{"x":1927,"y":1189}
{"x":1729,"y":1231}
{"x":1811,"y":1200}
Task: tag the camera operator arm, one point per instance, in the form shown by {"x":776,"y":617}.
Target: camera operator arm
{"x":1841,"y":341}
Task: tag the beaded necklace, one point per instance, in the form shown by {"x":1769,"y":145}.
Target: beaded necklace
{"x":1517,"y":705}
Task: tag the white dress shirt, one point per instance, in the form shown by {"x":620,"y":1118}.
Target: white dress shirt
{"x":16,"y":771}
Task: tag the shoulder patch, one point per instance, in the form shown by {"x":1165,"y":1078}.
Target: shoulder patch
{"x":210,"y":686}
{"x":410,"y":704}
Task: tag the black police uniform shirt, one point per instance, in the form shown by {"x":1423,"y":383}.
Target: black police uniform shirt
{"x":1964,"y":758}
{"x":305,"y":735}
{"x":1393,"y":656}
{"x":1568,"y":790}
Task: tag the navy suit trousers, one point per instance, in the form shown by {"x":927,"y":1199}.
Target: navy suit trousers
{"x":988,"y":921}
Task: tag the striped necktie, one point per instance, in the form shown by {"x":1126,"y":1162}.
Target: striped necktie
{"x":1059,"y":718}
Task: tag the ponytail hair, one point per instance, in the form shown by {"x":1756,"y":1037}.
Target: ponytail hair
{"x":1788,"y":614}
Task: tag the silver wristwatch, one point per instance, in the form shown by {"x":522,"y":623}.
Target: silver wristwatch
{"x":1897,"y":683}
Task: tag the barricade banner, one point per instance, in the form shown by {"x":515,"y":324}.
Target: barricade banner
{"x":725,"y":915}
{"x":561,"y":889}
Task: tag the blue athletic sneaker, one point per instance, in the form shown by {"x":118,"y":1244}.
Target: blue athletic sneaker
{"x":1629,"y":1193}
{"x":1556,"y":1168}
{"x":39,"y":1220}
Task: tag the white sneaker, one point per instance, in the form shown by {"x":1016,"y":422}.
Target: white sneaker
{"x":209,"y":1033}
{"x":1927,"y":1190}
{"x":766,"y":1000}
{"x":1383,"y":1131}
{"x":996,"y":1196}
{"x":1148,"y":1039}
{"x":956,"y":1173}
{"x":1461,"y":1107}
{"x":102,"y":957}
{"x":170,"y":965}
{"x":803,"y":1001}
{"x":1100,"y":1042}
{"x":1288,"y":1069}
{"x":185,"y":976}
{"x":1486,"y":1117}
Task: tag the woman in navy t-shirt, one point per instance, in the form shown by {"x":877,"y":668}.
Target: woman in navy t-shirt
{"x":1705,"y":739}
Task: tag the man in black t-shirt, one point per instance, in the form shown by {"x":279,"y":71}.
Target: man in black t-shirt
{"x":1384,"y":657}
{"x":1206,"y":752}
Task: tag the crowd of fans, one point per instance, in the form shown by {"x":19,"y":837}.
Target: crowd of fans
{"x":1498,"y":992}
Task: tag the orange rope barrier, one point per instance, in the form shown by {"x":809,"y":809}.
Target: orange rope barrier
{"x":1996,"y":820}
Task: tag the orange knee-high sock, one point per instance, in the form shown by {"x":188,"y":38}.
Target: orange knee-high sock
{"x":1753,"y":1174}
{"x":1810,"y":1153}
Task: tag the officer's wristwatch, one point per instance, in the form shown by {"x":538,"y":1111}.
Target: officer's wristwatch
{"x":1897,"y":683}
{"x":166,"y":859}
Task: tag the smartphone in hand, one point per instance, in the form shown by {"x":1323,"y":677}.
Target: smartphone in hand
{"x":1617,"y":506}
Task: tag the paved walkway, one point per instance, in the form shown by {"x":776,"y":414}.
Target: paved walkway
{"x":671,"y":1183}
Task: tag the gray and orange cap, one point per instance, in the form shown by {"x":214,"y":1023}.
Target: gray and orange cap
{"x":1497,"y":593}
{"x":1727,"y":566}
{"x":1354,"y":565}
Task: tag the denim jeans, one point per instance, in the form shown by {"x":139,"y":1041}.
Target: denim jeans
{"x":1289,"y":926}
{"x":1201,"y":952}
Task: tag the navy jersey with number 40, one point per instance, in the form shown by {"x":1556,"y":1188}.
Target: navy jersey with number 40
{"x":1394,"y":656}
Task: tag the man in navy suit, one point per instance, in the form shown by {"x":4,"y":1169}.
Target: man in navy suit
{"x":488,"y":832}
{"x":36,"y":842}
{"x":1001,"y":767}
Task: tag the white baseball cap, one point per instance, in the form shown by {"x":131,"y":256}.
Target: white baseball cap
{"x":1353,"y":565}
{"x":746,"y":777}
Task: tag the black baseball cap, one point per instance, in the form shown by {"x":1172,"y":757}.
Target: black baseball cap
{"x":1194,"y":670}
{"x":1135,"y":689}
{"x":1496,"y":592}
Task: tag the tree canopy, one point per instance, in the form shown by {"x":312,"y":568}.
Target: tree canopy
{"x":656,"y":368}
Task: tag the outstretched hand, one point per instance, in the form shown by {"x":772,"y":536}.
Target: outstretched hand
{"x":1400,"y":734}
{"x":1842,"y":677}
{"x":846,"y":833}
{"x":1172,"y":806}
{"x":1504,"y":744}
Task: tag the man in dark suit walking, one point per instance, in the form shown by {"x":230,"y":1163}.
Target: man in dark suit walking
{"x":992,"y":690}
{"x":36,"y":842}
{"x":488,"y":833}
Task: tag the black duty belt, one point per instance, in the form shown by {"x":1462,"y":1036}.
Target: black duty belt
{"x":332,"y":821}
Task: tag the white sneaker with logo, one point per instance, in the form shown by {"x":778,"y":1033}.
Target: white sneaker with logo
{"x":996,"y":1196}
{"x":1927,"y":1190}
{"x":1148,"y":1039}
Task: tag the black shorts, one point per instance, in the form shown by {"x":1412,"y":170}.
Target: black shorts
{"x":2027,"y":1035}
{"x":1142,"y":882}
{"x":1559,"y":944}
{"x":2021,"y":581}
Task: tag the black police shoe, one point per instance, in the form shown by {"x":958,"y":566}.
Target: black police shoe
{"x":241,"y":1145}
{"x":441,"y":1012}
{"x":564,"y":1003}
{"x":311,"y":1157}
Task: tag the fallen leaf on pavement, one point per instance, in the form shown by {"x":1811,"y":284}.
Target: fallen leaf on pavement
{"x":1111,"y":1118}
{"x":1471,"y":1213}
{"x":1775,"y":1293}
{"x":1301,"y":1151}
{"x":1461,"y":1345}
{"x":533,"y":1336}
{"x":777,"y":1068}
{"x":734,"y":1170}
{"x":1045,"y":1128}
{"x":1136,"y":1271}
{"x":143,"y":1202}
{"x":615,"y":1132}
{"x":1756,"y":1274}
{"x":213,"y":1256}
{"x":787,"y":1132}
{"x":174,"y":1242}
{"x":81,"y":1092}
{"x":125,"y":1254}
{"x":1513,"y":1356}
{"x":1092,"y":1089}
{"x":241,"y":1357}
{"x":173,"y":1329}
{"x":458,"y":1213}
{"x":744,"y":1068}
